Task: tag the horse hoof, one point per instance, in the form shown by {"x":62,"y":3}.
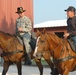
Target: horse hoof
{"x":54,"y":72}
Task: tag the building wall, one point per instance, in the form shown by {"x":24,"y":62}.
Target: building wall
{"x":58,"y":30}
{"x":8,"y":15}
{"x":53,"y":29}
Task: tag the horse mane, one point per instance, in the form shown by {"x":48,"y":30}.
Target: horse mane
{"x":7,"y":34}
{"x":54,"y":37}
{"x":50,"y":35}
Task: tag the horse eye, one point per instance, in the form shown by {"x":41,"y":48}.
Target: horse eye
{"x":42,"y":41}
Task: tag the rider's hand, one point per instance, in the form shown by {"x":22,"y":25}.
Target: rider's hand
{"x":66,"y":35}
{"x":20,"y":29}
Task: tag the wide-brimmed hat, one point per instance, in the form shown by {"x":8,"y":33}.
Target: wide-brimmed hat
{"x":71,"y":8}
{"x":20,"y":10}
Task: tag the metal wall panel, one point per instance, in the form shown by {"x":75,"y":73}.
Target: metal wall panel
{"x":8,"y":15}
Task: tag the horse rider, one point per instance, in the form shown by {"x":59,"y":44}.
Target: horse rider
{"x":71,"y":24}
{"x":24,"y":27}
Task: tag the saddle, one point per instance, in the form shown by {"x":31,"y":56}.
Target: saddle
{"x":32,"y":41}
{"x":71,"y":42}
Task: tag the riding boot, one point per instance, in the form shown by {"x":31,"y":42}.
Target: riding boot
{"x":75,"y":48}
{"x":28,"y":61}
{"x":54,"y":70}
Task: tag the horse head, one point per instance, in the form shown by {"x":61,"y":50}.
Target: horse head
{"x":60,"y":51}
{"x":46,"y":42}
{"x":42,"y":44}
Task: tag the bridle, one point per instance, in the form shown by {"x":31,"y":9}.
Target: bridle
{"x":55,"y":60}
{"x":52,"y":51}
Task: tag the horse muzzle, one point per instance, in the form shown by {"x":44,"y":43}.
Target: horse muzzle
{"x":38,"y":55}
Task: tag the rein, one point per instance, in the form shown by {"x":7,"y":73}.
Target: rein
{"x":61,"y":49}
{"x":10,"y":53}
{"x":63,"y":59}
{"x":45,"y":51}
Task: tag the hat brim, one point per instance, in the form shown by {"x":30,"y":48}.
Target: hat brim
{"x":66,"y":10}
{"x":21,"y":12}
{"x":69,"y":10}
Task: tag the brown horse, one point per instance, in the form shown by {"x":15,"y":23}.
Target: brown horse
{"x":63,"y":56}
{"x":13,"y":52}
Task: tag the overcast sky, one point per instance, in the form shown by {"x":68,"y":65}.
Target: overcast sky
{"x":47,"y":10}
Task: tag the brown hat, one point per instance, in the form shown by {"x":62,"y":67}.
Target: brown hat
{"x":20,"y":10}
{"x":71,"y":8}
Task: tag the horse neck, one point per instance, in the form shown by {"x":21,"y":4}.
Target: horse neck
{"x":53,"y":40}
{"x":56,"y":45}
{"x":4,"y":39}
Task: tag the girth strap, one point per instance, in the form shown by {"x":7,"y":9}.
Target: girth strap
{"x":10,"y":53}
{"x":63,"y":59}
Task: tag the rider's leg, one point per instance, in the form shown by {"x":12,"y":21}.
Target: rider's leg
{"x":74,"y":39}
{"x":28,"y":61}
{"x":28,"y":50}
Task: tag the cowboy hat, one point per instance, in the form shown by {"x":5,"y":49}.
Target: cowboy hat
{"x":20,"y":10}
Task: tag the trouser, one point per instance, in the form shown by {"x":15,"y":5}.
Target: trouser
{"x":28,"y":50}
{"x":27,"y":45}
{"x":74,"y":39}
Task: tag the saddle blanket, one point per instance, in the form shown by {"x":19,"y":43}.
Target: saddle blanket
{"x":32,"y":42}
{"x":72,"y":45}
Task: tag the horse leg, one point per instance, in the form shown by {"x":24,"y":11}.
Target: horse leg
{"x":54,"y":71}
{"x":49,"y":63}
{"x":38,"y":63}
{"x":65,"y":72}
{"x":46,"y":56}
{"x":6,"y":65}
{"x":19,"y":68}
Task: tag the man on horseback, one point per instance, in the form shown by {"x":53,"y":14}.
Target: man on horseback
{"x":71,"y":24}
{"x":23,"y":28}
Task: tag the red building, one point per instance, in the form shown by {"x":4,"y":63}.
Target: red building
{"x":58,"y":27}
{"x":8,"y":15}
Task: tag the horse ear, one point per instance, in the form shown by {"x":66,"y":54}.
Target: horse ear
{"x":44,"y":30}
{"x":37,"y":33}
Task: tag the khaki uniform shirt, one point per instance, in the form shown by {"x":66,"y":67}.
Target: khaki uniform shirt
{"x":26,"y":25}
